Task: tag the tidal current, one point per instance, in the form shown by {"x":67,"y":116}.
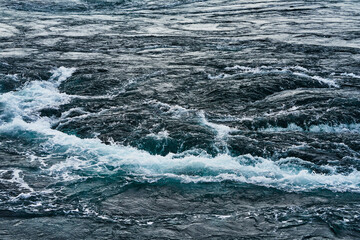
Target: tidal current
{"x":179,"y":119}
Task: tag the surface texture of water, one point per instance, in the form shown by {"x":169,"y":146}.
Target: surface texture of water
{"x":221,"y":119}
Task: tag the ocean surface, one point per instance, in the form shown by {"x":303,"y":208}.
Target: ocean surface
{"x":179,"y":119}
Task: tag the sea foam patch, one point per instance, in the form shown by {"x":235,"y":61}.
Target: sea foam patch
{"x":293,"y":70}
{"x":320,"y":128}
{"x":91,"y":158}
{"x":27,"y":101}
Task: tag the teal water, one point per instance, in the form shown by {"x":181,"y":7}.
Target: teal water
{"x":179,"y":119}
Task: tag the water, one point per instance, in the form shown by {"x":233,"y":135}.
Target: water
{"x":182,"y":119}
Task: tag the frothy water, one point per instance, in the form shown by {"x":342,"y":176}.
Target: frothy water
{"x":94,"y":157}
{"x":179,"y":119}
{"x":321,"y":128}
{"x":263,"y":70}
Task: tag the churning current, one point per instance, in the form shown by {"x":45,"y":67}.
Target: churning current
{"x":179,"y":119}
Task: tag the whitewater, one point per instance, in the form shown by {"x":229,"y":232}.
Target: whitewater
{"x":217,"y":119}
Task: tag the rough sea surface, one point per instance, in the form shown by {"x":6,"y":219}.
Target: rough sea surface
{"x":179,"y":119}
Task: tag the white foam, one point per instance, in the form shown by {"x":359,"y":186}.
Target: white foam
{"x":160,"y":135}
{"x":77,"y":110}
{"x":304,"y":73}
{"x":350,"y":75}
{"x":14,"y":77}
{"x":339,"y":128}
{"x":36,"y":95}
{"x":221,"y":130}
{"x":300,"y":68}
{"x":222,"y":133}
{"x":92,"y":157}
{"x":62,"y":73}
{"x":330,"y":82}
{"x":16,"y":179}
{"x":289,"y":128}
{"x":175,"y":110}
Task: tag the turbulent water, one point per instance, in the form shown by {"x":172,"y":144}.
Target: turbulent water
{"x":179,"y":119}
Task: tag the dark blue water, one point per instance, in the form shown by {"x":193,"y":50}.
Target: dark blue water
{"x":188,"y":119}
